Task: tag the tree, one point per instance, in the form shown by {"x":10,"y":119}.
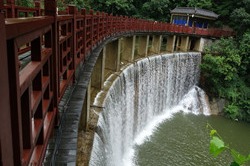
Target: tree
{"x":117,"y":7}
{"x":224,"y":9}
{"x":240,"y":20}
{"x":156,"y":10}
{"x":244,"y":47}
{"x":222,"y":68}
{"x":225,"y":69}
{"x":26,"y":3}
{"x":205,"y":4}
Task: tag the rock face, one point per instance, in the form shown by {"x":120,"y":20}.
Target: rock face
{"x":217,"y":105}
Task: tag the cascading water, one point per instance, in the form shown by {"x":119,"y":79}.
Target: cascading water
{"x":144,"y":91}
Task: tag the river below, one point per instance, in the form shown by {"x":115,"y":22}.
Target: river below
{"x":183,"y":140}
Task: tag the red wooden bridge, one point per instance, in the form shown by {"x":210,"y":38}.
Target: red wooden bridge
{"x":57,"y":45}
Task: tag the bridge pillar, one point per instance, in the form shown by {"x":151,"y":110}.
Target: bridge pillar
{"x":112,"y":60}
{"x":127,"y":49}
{"x":184,"y":43}
{"x":142,"y":49}
{"x":171,"y":43}
{"x":200,"y":43}
{"x":156,"y":44}
{"x":97,"y":77}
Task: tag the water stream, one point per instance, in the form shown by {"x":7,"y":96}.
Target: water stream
{"x":142,"y":98}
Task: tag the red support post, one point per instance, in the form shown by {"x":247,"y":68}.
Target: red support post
{"x":11,"y":9}
{"x":97,"y":26}
{"x":73,"y":11}
{"x":83,"y":12}
{"x":91,"y":13}
{"x":105,"y":25}
{"x":13,"y":69}
{"x":50,"y":7}
{"x":9,"y":152}
{"x":38,"y":8}
{"x":104,"y":21}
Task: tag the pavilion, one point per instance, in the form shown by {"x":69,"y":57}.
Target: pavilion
{"x":192,"y":16}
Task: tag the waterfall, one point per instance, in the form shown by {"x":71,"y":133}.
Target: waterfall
{"x":144,"y":91}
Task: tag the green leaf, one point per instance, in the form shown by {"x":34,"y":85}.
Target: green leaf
{"x":234,"y":164}
{"x":216,"y":146}
{"x":212,"y":132}
{"x":239,"y":158}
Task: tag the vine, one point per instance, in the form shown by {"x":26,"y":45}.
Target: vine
{"x":217,"y":146}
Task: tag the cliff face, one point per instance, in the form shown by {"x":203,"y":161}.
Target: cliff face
{"x":217,"y":105}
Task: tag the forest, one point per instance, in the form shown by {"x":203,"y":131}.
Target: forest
{"x":226,"y":64}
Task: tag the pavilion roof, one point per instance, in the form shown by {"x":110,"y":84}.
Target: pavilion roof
{"x":197,"y":12}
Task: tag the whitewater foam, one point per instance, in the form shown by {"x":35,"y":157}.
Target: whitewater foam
{"x":185,"y":106}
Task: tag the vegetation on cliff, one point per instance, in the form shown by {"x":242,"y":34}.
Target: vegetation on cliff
{"x":226,"y":64}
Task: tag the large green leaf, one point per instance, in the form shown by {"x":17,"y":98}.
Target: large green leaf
{"x":216,"y":146}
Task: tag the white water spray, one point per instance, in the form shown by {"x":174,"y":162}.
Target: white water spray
{"x":144,"y":95}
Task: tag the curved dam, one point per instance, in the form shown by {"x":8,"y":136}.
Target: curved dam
{"x":142,"y":92}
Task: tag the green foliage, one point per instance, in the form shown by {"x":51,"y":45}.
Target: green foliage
{"x":221,"y":69}
{"x":241,"y":18}
{"x":155,"y":8}
{"x":217,"y":146}
{"x":146,"y":9}
{"x":205,"y":4}
{"x":225,"y":68}
{"x":244,"y":47}
{"x":232,"y":111}
{"x":117,"y":7}
{"x":62,"y":4}
{"x":234,"y":13}
{"x":26,"y":3}
{"x":239,"y":158}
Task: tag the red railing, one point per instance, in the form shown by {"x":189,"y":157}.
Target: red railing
{"x":57,"y":44}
